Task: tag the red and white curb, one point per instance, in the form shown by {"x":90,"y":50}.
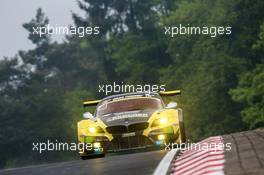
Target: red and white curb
{"x":193,"y":161}
{"x":165,"y":163}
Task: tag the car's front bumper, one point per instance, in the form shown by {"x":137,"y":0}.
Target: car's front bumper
{"x":134,"y":140}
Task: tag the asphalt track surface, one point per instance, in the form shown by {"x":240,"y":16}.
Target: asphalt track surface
{"x":134,"y":163}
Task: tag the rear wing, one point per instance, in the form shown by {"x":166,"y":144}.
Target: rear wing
{"x":91,"y":103}
{"x":161,"y":93}
{"x":170,"y":93}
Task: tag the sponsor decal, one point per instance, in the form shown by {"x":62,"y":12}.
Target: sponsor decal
{"x":127,"y":116}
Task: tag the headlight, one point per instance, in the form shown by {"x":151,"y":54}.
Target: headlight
{"x":92,"y":129}
{"x":163,"y":120}
{"x":161,"y":137}
{"x":160,"y":121}
{"x":95,"y":129}
{"x":97,"y":144}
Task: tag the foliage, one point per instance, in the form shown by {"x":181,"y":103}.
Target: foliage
{"x":250,"y":90}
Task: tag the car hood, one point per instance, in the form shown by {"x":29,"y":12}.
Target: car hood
{"x":126,"y":118}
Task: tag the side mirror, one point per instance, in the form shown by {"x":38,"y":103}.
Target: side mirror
{"x":88,"y":115}
{"x":171,"y":105}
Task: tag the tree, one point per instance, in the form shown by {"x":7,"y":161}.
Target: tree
{"x":40,"y":21}
{"x":205,"y":68}
{"x":250,"y":90}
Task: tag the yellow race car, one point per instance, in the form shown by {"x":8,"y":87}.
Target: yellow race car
{"x":130,"y":121}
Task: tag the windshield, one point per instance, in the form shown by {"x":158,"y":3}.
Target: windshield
{"x":129,"y":105}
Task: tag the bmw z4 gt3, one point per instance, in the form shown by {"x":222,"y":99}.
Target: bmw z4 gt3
{"x":130,"y":121}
